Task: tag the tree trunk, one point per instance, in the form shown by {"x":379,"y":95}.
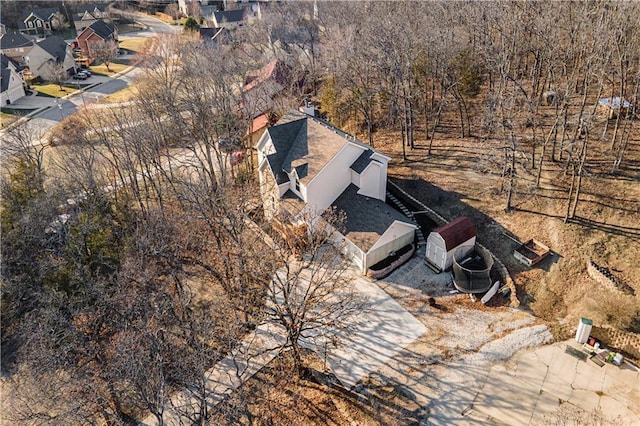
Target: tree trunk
{"x":583,"y":156}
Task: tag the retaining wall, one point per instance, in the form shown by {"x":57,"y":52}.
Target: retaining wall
{"x":606,"y":279}
{"x":623,"y":341}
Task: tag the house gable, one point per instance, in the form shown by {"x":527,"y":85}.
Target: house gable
{"x":306,"y":164}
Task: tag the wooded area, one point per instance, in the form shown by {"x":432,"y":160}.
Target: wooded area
{"x":103,"y":248}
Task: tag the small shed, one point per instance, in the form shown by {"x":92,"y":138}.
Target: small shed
{"x":457,"y":237}
{"x":612,"y":107}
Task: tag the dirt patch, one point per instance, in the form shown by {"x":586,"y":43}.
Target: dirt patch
{"x":276,"y":396}
{"x":455,"y":180}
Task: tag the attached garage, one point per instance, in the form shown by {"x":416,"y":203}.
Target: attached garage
{"x":372,"y":230}
{"x":456,"y":238}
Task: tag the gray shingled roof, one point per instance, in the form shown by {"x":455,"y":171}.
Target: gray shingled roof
{"x":55,"y":46}
{"x":304,"y":143}
{"x":5,"y":76}
{"x":102,"y":29}
{"x":14,"y":40}
{"x":362,"y":162}
{"x":44,"y":13}
{"x":366,"y":218}
{"x":229,"y":16}
{"x":283,"y":137}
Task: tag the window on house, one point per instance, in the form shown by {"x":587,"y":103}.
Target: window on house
{"x":39,"y":23}
{"x":30,"y":24}
{"x":297,"y":184}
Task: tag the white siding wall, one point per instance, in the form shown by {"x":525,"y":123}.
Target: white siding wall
{"x":398,"y":235}
{"x":333,"y":179}
{"x":373,"y":181}
{"x":437,"y":254}
{"x":350,"y":250}
{"x":14,"y":92}
{"x":436,"y":251}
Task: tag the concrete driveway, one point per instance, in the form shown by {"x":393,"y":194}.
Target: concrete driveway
{"x":532,"y":387}
{"x":373,"y":338}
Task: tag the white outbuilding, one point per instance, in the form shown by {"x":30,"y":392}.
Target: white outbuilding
{"x":456,"y":238}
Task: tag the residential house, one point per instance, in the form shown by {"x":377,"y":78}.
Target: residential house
{"x":41,"y":21}
{"x":11,"y":82}
{"x":15,"y":46}
{"x":97,"y":32}
{"x":195,"y":7}
{"x":307,"y":166}
{"x":57,"y":50}
{"x":32,"y":56}
{"x":262,"y":94}
{"x":87,"y":14}
{"x":215,"y":35}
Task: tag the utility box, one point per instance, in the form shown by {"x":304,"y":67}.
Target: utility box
{"x":584,"y":329}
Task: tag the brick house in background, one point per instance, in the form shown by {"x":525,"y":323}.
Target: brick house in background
{"x":95,"y":33}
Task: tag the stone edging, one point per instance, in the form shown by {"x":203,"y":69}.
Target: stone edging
{"x":502,"y":269}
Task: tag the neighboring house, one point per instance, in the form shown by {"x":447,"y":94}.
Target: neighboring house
{"x":32,"y":56}
{"x":57,"y":50}
{"x":215,"y":35}
{"x":262,"y":91}
{"x":11,"y":82}
{"x":94,"y":33}
{"x":85,"y":15}
{"x":15,"y":46}
{"x":230,"y":18}
{"x":41,"y":21}
{"x":307,"y":166}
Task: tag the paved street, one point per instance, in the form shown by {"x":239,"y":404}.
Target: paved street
{"x":50,"y":111}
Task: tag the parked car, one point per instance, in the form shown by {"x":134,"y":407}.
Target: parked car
{"x":85,"y":72}
{"x":80,"y":76}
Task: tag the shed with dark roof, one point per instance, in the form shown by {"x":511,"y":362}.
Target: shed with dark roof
{"x":456,"y":238}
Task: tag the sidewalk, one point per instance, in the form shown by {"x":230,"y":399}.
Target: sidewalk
{"x":253,"y":353}
{"x":374,"y":336}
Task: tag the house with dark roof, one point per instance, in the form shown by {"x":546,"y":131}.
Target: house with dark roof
{"x":41,"y":21}
{"x":97,"y":32}
{"x":230,"y":18}
{"x":307,"y":166}
{"x":86,"y":14}
{"x":11,"y":82}
{"x":15,"y":46}
{"x":58,"y":51}
{"x":32,"y":56}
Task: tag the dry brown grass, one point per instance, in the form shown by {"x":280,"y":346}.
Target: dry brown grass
{"x":455,"y":181}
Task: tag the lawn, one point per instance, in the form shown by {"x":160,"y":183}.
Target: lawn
{"x":102,"y":69}
{"x":53,"y":90}
{"x":121,"y":95}
{"x":135,"y":45}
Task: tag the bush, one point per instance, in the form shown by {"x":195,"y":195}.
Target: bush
{"x":615,"y":310}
